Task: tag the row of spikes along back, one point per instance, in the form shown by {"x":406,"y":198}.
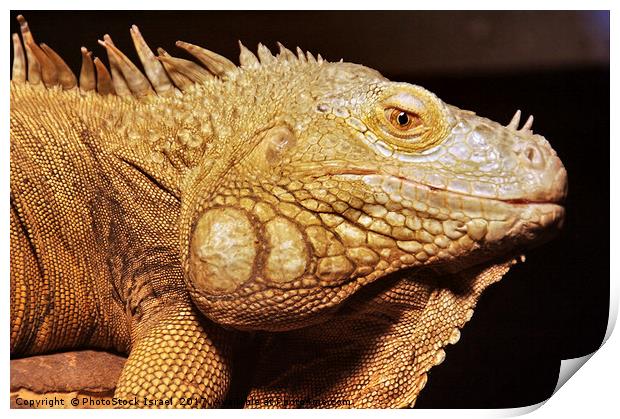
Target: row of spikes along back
{"x":162,"y":73}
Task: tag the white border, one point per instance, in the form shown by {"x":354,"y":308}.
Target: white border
{"x":592,"y":393}
{"x":318,"y":5}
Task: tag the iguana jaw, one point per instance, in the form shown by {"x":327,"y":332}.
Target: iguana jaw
{"x":542,"y":204}
{"x":314,"y":233}
{"x":415,"y":227}
{"x":497,"y":226}
{"x":380,"y":176}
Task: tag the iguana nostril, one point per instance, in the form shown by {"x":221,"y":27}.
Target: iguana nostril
{"x":534,"y":156}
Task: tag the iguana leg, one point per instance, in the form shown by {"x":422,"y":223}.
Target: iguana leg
{"x":177,"y":358}
{"x":377,"y":351}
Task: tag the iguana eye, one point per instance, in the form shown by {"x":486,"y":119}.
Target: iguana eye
{"x":403,"y":120}
{"x":408,"y":119}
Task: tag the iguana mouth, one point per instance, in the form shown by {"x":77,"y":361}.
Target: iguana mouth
{"x":336,"y":169}
{"x":511,"y":201}
{"x":545,"y":214}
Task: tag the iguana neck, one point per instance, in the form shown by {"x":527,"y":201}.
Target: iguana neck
{"x":177,"y":138}
{"x":163,"y":137}
{"x":200,"y":132}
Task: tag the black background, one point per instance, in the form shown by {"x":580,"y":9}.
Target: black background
{"x":553,"y":307}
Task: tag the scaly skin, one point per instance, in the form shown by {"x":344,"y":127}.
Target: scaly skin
{"x":276,"y":198}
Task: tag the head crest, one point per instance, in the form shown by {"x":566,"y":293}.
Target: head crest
{"x":162,"y":75}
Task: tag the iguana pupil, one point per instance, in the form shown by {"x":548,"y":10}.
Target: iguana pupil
{"x":403,"y":118}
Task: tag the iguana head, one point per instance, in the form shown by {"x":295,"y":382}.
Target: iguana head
{"x":347,"y":177}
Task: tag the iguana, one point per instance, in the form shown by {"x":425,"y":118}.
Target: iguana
{"x":335,"y":225}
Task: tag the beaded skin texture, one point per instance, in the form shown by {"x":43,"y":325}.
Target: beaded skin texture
{"x":289,"y":232}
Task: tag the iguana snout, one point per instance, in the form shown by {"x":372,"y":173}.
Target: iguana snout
{"x":484,"y":159}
